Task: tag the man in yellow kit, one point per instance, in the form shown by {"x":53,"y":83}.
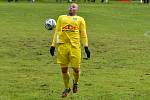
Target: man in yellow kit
{"x":70,"y":29}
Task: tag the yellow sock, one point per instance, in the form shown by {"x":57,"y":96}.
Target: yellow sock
{"x":66,"y":77}
{"x":76,"y":77}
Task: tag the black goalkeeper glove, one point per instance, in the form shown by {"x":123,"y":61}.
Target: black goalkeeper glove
{"x":52,"y":50}
{"x":87,"y":51}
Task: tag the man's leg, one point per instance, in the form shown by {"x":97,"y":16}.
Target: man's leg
{"x":102,"y":1}
{"x":147,"y":1}
{"x":75,"y":59}
{"x":65,"y":74}
{"x":76,"y":74}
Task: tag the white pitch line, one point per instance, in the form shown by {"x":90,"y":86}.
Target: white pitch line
{"x":54,"y":59}
{"x":147,"y":34}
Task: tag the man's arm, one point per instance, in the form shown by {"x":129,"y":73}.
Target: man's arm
{"x":83,"y":33}
{"x":57,"y":30}
{"x":54,"y":41}
{"x":84,"y":37}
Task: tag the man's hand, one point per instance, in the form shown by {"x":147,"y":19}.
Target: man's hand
{"x":87,"y":51}
{"x":52,"y":50}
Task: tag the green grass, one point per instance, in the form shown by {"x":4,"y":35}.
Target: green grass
{"x":119,"y":68}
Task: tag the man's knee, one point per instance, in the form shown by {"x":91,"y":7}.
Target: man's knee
{"x":64,"y":69}
{"x":76,"y":70}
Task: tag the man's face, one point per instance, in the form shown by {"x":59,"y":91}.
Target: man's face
{"x":73,"y":8}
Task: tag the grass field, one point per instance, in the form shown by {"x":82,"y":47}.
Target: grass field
{"x":118,"y":70}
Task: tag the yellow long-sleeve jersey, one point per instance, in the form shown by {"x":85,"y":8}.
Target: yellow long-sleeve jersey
{"x":70,"y":29}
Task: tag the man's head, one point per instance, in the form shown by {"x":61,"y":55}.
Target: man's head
{"x":73,"y":9}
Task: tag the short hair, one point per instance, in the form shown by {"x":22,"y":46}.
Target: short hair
{"x":75,"y":4}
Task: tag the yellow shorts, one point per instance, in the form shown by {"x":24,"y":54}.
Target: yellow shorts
{"x":69,"y":54}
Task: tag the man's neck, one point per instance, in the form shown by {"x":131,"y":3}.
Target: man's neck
{"x":71,"y":14}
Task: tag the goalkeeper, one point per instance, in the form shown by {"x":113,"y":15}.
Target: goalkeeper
{"x":70,"y":29}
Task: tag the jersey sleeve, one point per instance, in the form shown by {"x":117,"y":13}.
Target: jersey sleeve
{"x":56,"y":33}
{"x":83,"y":33}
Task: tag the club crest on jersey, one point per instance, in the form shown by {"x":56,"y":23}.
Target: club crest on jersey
{"x":70,"y":28}
{"x":75,"y":19}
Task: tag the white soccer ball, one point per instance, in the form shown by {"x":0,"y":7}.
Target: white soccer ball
{"x":50,"y":24}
